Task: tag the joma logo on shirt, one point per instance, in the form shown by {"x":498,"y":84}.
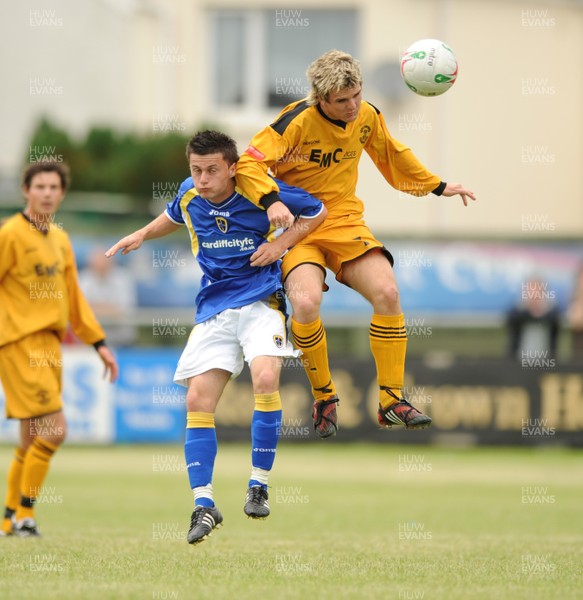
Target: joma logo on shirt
{"x":325,"y":159}
{"x":48,"y":270}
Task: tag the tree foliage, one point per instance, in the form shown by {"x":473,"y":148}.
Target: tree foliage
{"x":107,"y":160}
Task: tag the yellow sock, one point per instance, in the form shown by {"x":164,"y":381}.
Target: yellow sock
{"x":34,"y":470}
{"x":14,"y":476}
{"x":194,"y":420}
{"x":268,"y":402}
{"x":388,"y":343}
{"x":13,"y":492}
{"x":310,"y":338}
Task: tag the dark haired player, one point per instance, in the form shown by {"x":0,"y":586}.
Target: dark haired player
{"x":39,"y":296}
{"x":240,"y":313}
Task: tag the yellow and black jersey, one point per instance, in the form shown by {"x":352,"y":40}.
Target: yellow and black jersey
{"x":39,"y":289}
{"x":303,"y":147}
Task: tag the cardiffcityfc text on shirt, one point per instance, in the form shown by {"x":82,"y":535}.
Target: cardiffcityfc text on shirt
{"x":224,"y":236}
{"x":242,"y":244}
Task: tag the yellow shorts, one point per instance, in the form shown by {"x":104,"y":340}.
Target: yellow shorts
{"x":333,"y":243}
{"x":30,"y":370}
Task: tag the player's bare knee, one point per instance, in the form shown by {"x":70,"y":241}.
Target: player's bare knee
{"x":55,"y":436}
{"x":26,"y":443}
{"x":305,"y":306}
{"x":61,"y":436}
{"x":194,"y":402}
{"x":386,"y":299}
{"x":27,"y":433}
{"x":265,"y":381}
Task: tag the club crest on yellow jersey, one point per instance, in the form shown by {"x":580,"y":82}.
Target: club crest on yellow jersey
{"x":365,"y":131}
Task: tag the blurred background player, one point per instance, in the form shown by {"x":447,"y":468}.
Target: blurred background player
{"x":111,"y":291}
{"x":240,"y":313}
{"x":39,"y":295}
{"x":533,"y":324}
{"x":575,"y":317}
{"x":316,"y":144}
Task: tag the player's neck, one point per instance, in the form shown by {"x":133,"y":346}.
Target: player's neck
{"x":41,"y":221}
{"x":220,"y":199}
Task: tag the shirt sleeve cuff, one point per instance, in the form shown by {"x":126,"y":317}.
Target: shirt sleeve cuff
{"x":269,"y":199}
{"x":440,"y":188}
{"x":98,"y":344}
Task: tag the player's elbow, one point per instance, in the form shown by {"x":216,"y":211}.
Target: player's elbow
{"x":321,"y":217}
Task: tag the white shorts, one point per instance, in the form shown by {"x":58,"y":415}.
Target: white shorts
{"x":226,"y":339}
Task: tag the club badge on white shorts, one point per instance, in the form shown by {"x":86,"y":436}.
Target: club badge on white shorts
{"x":233,"y":337}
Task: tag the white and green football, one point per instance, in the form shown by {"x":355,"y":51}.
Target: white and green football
{"x":429,"y":67}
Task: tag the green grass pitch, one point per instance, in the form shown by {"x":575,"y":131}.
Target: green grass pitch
{"x":348,"y":521}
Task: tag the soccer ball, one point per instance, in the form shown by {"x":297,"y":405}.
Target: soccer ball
{"x":429,"y":67}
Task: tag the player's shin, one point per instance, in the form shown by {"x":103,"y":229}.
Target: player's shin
{"x":310,"y":338}
{"x":13,"y":491}
{"x":200,"y":451}
{"x":388,"y":343}
{"x":265,"y":428}
{"x":34,"y":470}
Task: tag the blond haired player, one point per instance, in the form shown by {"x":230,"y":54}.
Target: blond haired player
{"x":316,"y":144}
{"x":39,"y":295}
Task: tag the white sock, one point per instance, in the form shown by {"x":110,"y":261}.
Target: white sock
{"x":260,"y":475}
{"x":204,"y":491}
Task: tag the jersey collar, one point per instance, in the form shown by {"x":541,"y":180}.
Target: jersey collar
{"x":333,"y":121}
{"x":223,"y":203}
{"x":43,"y":231}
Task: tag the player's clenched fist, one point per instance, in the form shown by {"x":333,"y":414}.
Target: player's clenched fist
{"x":279,"y":215}
{"x":266,"y":254}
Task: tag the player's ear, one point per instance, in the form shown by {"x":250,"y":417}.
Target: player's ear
{"x":232,"y":170}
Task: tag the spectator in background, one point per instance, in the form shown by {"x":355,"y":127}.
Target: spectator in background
{"x":111,"y":292}
{"x":575,"y":317}
{"x":533,"y":324}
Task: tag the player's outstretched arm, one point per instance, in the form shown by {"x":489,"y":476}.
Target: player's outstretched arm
{"x":271,"y":251}
{"x":159,"y":227}
{"x":452,"y":189}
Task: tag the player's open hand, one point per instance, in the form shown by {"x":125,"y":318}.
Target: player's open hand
{"x":266,"y":254}
{"x":279,"y":215}
{"x":452,"y":189}
{"x":110,"y":363}
{"x":126,"y":244}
